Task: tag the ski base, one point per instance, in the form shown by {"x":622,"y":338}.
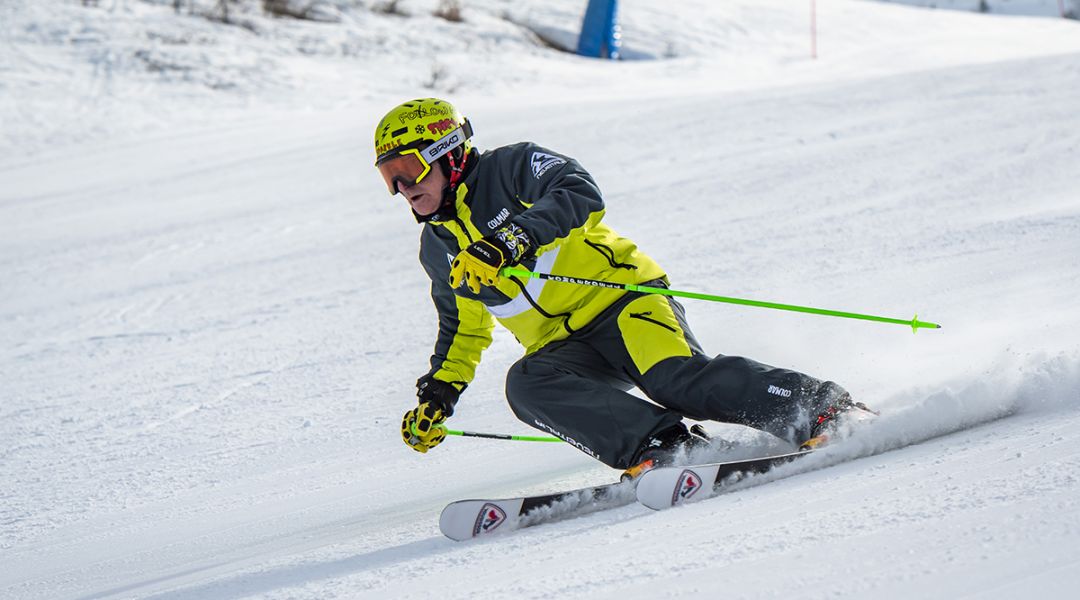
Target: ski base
{"x":467,"y":519}
{"x":665,"y":487}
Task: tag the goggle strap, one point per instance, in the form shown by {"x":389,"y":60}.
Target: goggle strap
{"x":456,"y":170}
{"x":447,"y":143}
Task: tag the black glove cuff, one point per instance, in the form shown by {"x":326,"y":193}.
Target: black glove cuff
{"x":438,"y":393}
{"x":514,"y":242}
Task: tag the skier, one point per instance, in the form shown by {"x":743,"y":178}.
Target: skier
{"x":584,"y":346}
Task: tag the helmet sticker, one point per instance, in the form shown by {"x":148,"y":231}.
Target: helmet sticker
{"x":441,"y":126}
{"x":428,"y":111}
{"x":384,"y":148}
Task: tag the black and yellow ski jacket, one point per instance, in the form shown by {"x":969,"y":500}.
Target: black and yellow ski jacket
{"x":560,"y":207}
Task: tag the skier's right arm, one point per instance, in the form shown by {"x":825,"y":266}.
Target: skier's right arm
{"x":464,"y":333}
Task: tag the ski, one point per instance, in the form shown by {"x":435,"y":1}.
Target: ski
{"x":467,"y":519}
{"x":665,"y":487}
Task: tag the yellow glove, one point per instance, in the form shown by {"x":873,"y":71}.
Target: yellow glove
{"x":477,"y":265}
{"x":436,"y":402}
{"x":480,"y":262}
{"x":418,"y":427}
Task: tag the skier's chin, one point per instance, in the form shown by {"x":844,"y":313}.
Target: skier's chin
{"x":423,"y":205}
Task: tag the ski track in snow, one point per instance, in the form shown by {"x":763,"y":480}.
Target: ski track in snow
{"x":211,"y":330}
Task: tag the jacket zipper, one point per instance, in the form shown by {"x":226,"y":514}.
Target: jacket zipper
{"x":609,"y":254}
{"x":464,"y":229}
{"x":644,"y":317}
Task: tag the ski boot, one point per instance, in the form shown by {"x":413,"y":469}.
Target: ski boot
{"x":827,"y":424}
{"x":663,"y":448}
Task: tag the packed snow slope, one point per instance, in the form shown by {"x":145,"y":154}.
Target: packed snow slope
{"x":213,"y":320}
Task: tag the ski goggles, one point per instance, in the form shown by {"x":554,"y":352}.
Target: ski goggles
{"x":411,"y":165}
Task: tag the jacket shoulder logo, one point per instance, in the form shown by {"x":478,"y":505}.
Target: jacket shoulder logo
{"x":542,"y":162}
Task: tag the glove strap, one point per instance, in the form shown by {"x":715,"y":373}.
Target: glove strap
{"x":440,"y":394}
{"x":514,"y":241}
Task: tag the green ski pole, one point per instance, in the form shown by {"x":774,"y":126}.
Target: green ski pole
{"x":914,"y":323}
{"x":499,"y":436}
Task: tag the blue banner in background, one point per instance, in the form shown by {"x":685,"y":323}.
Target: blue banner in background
{"x":600,"y":35}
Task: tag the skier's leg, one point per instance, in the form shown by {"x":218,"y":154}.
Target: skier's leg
{"x":671,"y":369}
{"x":570,"y":390}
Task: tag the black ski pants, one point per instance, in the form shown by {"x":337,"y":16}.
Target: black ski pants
{"x":576,"y":388}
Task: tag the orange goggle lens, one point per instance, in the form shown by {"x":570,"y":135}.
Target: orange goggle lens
{"x":408,"y":168}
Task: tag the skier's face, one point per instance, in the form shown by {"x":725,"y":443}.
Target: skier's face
{"x":425,"y":196}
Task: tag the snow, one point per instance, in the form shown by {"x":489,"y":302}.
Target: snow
{"x":213,"y":317}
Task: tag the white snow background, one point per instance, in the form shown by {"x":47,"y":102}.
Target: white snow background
{"x":212,"y":316}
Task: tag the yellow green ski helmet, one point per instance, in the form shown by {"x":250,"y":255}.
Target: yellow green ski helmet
{"x":414,"y":135}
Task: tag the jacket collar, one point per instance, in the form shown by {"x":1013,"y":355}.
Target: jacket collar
{"x":448,"y":211}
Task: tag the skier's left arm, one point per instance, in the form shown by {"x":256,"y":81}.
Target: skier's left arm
{"x":559,"y":196}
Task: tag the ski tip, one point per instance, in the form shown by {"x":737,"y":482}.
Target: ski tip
{"x":467,"y":519}
{"x":669,"y":486}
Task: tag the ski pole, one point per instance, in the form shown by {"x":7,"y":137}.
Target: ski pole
{"x":914,"y":323}
{"x":499,"y":436}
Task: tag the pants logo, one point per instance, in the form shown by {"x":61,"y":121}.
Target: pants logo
{"x":779,"y":391}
